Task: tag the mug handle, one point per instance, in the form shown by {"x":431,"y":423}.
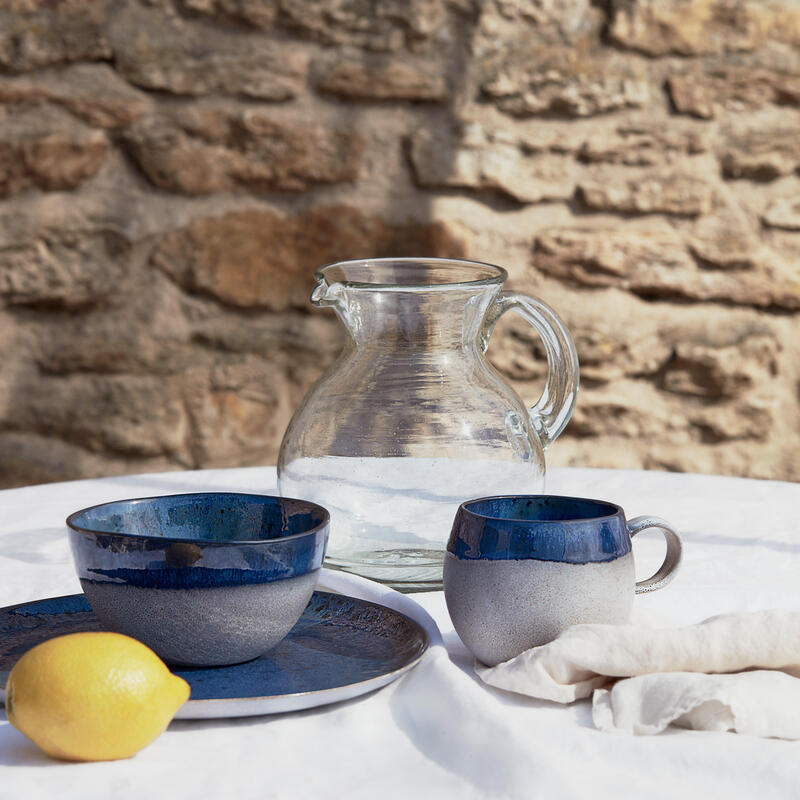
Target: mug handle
{"x":672,"y":559}
{"x":554,"y":408}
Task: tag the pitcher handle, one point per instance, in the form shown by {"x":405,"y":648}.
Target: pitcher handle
{"x":552,"y":410}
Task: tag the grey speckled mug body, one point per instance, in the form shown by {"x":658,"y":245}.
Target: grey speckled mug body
{"x":521,"y":569}
{"x":502,"y":608}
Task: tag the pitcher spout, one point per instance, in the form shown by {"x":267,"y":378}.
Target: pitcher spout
{"x":326,"y":294}
{"x":334,"y":295}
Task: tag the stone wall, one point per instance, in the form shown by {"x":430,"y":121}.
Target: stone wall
{"x":172,"y":171}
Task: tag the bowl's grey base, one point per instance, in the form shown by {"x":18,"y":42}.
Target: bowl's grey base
{"x":502,"y":608}
{"x":203,"y":627}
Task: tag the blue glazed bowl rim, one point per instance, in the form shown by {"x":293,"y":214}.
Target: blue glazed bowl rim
{"x":614,"y":509}
{"x":326,"y":518}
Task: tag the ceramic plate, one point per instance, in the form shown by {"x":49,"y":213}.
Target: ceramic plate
{"x":340,"y":648}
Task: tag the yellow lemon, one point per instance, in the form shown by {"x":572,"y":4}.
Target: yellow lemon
{"x":92,"y":696}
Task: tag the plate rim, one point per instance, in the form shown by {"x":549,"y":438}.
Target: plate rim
{"x":214,"y":703}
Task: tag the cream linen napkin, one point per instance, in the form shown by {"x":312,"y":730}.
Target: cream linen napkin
{"x":737,"y":672}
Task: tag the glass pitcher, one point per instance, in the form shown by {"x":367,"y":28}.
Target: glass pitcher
{"x":412,"y":420}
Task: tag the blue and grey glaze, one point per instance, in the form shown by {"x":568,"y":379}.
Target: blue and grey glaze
{"x":521,"y":569}
{"x":203,"y":579}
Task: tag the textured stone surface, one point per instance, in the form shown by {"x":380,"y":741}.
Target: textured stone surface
{"x":377,"y":25}
{"x":566,"y":82}
{"x":92,"y":92}
{"x":297,"y":337}
{"x":784,"y":213}
{"x":173,"y":171}
{"x":395,"y":79}
{"x":187,"y":60}
{"x":725,"y":240}
{"x":705,"y":94}
{"x":256,"y":13}
{"x":147,"y":335}
{"x":34,"y":35}
{"x":596,"y":257}
{"x":124,"y":414}
{"x":249,"y":149}
{"x":656,"y":264}
{"x":669,"y":193}
{"x":505,"y":22}
{"x":694,"y":27}
{"x":764,"y":149}
{"x":733,"y":421}
{"x":373,"y":24}
{"x":644,"y":145}
{"x":31,"y":458}
{"x":631,"y":414}
{"x":261,"y":259}
{"x":476,"y":159}
{"x":60,"y":267}
{"x":721,"y":369}
{"x":48,"y":149}
{"x":235,"y":411}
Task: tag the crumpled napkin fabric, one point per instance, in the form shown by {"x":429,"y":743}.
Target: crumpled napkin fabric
{"x":735,"y":672}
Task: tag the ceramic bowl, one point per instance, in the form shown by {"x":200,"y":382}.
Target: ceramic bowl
{"x":203,"y":579}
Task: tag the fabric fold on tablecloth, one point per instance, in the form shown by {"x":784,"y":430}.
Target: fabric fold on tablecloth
{"x":735,"y":672}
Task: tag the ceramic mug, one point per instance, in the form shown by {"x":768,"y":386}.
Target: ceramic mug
{"x":521,"y":569}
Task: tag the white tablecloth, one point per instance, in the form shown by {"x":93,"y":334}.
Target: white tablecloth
{"x":438,"y":732}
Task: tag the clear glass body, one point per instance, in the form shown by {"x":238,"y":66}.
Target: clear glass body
{"x":412,"y":420}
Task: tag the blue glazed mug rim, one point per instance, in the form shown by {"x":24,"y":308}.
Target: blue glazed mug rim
{"x":541,"y":527}
{"x":72,"y":519}
{"x":613,"y":508}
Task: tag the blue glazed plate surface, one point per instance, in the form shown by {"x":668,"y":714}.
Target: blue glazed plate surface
{"x":340,"y":648}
